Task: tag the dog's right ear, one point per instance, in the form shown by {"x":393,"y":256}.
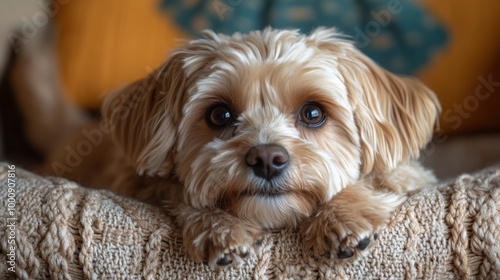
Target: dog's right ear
{"x":142,"y":118}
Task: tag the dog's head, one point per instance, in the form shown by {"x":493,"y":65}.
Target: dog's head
{"x":270,"y":124}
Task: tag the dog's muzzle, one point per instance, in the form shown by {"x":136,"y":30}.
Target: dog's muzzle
{"x":267,"y":161}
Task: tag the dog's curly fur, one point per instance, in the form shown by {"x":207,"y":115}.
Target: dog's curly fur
{"x":344,"y":175}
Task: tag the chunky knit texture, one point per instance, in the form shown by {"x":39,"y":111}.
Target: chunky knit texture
{"x":64,"y":231}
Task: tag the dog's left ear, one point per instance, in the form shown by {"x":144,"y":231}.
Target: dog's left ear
{"x":395,"y":115}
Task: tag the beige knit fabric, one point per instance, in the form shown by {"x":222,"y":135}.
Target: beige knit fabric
{"x":64,"y":231}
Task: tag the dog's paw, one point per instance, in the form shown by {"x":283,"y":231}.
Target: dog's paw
{"x":219,"y":239}
{"x":345,"y":234}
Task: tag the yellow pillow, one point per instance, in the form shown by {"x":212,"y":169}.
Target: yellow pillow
{"x":105,"y":44}
{"x":466,"y":75}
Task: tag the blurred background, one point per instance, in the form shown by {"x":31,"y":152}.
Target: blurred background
{"x":58,"y":55}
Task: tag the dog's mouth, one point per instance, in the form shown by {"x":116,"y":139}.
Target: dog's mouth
{"x":272,"y":192}
{"x":268,"y":189}
{"x":233,"y":198}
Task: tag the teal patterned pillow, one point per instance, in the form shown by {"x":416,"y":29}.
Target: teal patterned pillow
{"x":400,"y":35}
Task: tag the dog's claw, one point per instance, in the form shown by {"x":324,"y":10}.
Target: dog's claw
{"x":375,"y":236}
{"x":328,"y":255}
{"x":244,"y":254}
{"x":363,"y":244}
{"x":344,"y":253}
{"x":225,"y":260}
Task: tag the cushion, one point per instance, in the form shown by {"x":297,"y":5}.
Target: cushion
{"x":66,"y":231}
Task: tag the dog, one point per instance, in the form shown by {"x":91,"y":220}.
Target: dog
{"x":271,"y":129}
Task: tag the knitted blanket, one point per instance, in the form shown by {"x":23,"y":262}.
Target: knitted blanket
{"x":55,"y":229}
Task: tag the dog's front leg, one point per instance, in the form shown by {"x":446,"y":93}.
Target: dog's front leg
{"x":215,"y":236}
{"x":345,"y":226}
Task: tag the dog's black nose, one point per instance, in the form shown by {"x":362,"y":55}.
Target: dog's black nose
{"x":267,"y":161}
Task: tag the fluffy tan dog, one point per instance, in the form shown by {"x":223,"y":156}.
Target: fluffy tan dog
{"x":274,"y":129}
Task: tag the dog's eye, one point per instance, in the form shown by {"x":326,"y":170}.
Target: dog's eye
{"x":219,"y":116}
{"x":312,"y":115}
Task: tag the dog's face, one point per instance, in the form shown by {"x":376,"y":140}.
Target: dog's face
{"x":270,"y":124}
